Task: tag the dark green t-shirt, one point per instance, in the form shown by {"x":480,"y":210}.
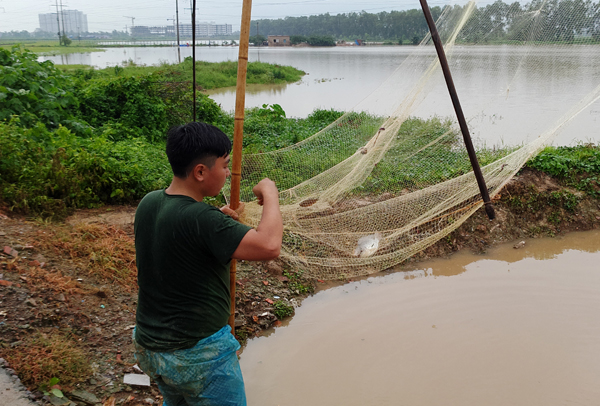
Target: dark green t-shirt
{"x":183,"y":250}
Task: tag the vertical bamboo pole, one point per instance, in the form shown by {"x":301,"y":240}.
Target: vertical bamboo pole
{"x":238,"y":135}
{"x":435,"y":36}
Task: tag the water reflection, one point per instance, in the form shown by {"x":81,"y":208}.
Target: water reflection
{"x":538,"y":249}
{"x":253,"y":89}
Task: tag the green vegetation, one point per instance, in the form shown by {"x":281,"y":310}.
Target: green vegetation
{"x":533,"y":201}
{"x":282,"y":309}
{"x":209,"y":75}
{"x":297,"y":283}
{"x":400,"y":171}
{"x":568,"y":21}
{"x":50,"y":172}
{"x":85,"y":138}
{"x":577,"y":167}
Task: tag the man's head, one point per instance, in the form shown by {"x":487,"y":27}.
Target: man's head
{"x":195,"y":143}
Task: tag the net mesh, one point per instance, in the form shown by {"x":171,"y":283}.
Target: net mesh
{"x":386,"y":180}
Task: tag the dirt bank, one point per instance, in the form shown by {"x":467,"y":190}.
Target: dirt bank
{"x":61,"y":305}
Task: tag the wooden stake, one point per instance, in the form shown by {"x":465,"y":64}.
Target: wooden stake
{"x":435,"y":36}
{"x":238,"y":135}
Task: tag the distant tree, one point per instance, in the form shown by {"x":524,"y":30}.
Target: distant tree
{"x":66,"y":40}
{"x":257,"y":39}
{"x":321,"y":41}
{"x":298,"y":39}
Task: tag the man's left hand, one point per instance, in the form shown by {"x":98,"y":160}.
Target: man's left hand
{"x":234,"y":214}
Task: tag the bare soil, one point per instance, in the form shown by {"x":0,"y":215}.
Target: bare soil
{"x":45,"y":288}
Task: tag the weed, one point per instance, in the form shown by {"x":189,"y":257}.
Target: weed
{"x":282,"y":309}
{"x":49,"y":388}
{"x":577,"y":166}
{"x":297,"y":284}
{"x":43,"y":357}
{"x":554,"y":217}
{"x":105,"y":252}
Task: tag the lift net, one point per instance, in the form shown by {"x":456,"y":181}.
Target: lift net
{"x":387,"y":179}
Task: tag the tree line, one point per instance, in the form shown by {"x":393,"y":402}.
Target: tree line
{"x":554,"y":20}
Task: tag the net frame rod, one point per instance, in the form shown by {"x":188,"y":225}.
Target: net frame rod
{"x":238,"y":136}
{"x":437,"y":41}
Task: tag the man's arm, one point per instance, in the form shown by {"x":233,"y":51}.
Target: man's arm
{"x":264,"y":243}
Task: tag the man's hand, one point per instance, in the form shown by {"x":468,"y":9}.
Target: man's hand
{"x":234,"y":214}
{"x":264,"y":242}
{"x":264,"y":188}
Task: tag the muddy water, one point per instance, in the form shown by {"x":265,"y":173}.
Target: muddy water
{"x":342,"y":77}
{"x":512,"y":327}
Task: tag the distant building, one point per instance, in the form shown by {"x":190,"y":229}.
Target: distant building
{"x":72,"y":21}
{"x":153,"y":31}
{"x":279,"y":41}
{"x":205,"y":29}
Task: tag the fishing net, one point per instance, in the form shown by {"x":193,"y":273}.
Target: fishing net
{"x":383,"y":183}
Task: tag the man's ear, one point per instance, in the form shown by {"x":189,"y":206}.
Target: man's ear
{"x":199,"y":171}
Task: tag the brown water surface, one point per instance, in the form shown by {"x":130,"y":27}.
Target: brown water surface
{"x":512,"y":327}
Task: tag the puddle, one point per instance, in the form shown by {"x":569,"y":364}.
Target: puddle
{"x":512,"y":327}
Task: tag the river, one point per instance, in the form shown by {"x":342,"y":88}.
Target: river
{"x":511,"y":327}
{"x":541,"y":90}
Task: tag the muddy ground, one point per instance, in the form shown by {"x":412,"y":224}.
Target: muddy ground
{"x":50,"y":285}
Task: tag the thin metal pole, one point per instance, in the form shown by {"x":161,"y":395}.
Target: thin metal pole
{"x":435,"y":36}
{"x":238,"y":135}
{"x":62,"y":17}
{"x":194,"y":58}
{"x":58,"y":24}
{"x":177,"y":17}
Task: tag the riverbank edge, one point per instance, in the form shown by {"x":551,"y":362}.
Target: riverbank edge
{"x":100,"y":320}
{"x":532,"y":205}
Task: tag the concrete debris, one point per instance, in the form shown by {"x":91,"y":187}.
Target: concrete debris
{"x":84,"y":396}
{"x":136,"y":379}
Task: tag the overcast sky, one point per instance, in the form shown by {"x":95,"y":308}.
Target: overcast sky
{"x":107,"y":15}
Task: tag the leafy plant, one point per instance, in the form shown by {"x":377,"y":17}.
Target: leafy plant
{"x":577,"y":166}
{"x":35,"y":91}
{"x":282,"y":309}
{"x":50,"y":388}
{"x":297,"y":284}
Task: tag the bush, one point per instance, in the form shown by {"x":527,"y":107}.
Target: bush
{"x":37,"y":92}
{"x":51,"y":172}
{"x":321,"y":41}
{"x":129,"y":101}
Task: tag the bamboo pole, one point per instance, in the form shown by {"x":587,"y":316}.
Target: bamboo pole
{"x":238,"y":136}
{"x":437,"y":41}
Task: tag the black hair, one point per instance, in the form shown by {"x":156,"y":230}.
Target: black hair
{"x":195,"y":143}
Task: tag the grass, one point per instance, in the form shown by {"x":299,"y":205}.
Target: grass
{"x":51,"y":47}
{"x":410,"y":165}
{"x":105,"y":252}
{"x":209,"y":75}
{"x":42,"y":357}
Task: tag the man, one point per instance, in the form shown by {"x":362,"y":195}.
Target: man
{"x":183,"y":250}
